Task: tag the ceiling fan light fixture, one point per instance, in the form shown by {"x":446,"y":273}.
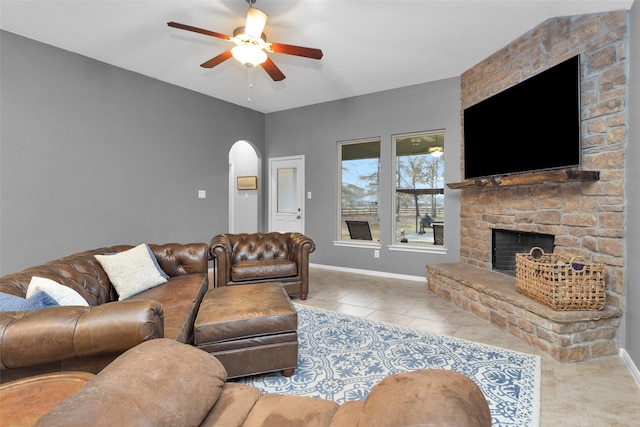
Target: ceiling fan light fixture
{"x":249,"y":55}
{"x":436,"y":151}
{"x":256,"y":20}
{"x":251,"y":45}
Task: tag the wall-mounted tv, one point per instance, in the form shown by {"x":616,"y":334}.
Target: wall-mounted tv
{"x":531,"y":126}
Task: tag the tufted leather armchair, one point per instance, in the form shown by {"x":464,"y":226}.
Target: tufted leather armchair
{"x":263,"y":257}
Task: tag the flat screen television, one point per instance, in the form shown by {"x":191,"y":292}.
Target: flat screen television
{"x":531,"y":126}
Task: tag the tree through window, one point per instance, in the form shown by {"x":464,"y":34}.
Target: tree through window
{"x":419,"y":189}
{"x":360,"y":176}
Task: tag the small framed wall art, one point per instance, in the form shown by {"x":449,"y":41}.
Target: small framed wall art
{"x":248,"y":182}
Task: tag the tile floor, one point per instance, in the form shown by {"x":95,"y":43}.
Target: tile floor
{"x":593,"y":393}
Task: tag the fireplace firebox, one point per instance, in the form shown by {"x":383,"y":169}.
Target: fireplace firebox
{"x":506,"y":243}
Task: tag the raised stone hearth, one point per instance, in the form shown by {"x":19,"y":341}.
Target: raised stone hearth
{"x":567,"y":336}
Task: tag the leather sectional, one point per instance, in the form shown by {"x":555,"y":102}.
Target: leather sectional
{"x":75,"y":338}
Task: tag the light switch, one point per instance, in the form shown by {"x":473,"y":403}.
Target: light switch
{"x":202,"y":194}
{"x":308,"y":194}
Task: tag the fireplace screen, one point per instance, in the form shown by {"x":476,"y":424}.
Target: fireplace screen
{"x":505,"y":244}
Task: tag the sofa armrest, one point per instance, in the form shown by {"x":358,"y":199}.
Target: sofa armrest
{"x":157,"y":383}
{"x":301,"y":247}
{"x":178,"y":259}
{"x":54,"y":334}
{"x":221,"y":249}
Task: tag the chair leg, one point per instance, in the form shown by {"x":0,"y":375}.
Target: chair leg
{"x":288,"y":372}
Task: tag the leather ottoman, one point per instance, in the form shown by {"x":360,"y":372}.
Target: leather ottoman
{"x":250,"y":329}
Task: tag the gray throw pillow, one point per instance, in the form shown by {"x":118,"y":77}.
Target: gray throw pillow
{"x":37,"y":301}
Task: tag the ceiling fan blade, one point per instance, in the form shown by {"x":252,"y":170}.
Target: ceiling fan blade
{"x":198,"y":30}
{"x":272,"y":69}
{"x":307,"y":52}
{"x":217,"y":60}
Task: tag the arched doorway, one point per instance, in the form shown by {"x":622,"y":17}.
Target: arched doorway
{"x":244,"y":200}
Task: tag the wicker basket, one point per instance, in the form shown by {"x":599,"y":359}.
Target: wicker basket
{"x":559,"y":282}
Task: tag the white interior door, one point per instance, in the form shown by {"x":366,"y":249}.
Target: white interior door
{"x":286,"y":194}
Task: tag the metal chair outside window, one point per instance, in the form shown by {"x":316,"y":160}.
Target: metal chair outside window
{"x":359,"y":230}
{"x":438,"y":234}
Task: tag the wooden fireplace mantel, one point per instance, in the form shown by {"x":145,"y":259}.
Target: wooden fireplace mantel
{"x":559,"y":175}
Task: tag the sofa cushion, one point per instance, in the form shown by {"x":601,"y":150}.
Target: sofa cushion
{"x":233,"y":405}
{"x":36,"y":301}
{"x":63,"y":295}
{"x":131,"y":271}
{"x":263,"y":269}
{"x":180,"y":298}
{"x":347,"y":414}
{"x":276,"y":410}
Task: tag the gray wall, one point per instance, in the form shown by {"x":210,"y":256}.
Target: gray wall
{"x":631,"y":343}
{"x":315,"y":130}
{"x":94,"y":155}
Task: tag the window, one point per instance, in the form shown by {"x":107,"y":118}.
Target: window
{"x":419,"y":189}
{"x":360,"y":164}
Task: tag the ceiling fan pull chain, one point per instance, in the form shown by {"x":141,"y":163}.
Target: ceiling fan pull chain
{"x":250,"y":83}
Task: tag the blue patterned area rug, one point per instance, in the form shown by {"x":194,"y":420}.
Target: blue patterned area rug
{"x":342,"y":357}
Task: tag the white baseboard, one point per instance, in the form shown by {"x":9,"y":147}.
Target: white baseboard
{"x":371,"y":272}
{"x":635,"y":373}
{"x":366,"y":272}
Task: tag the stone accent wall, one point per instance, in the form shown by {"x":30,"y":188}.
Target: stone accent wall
{"x":586,"y":218}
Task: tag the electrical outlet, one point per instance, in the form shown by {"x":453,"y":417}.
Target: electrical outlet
{"x":376,"y":253}
{"x":202,"y":194}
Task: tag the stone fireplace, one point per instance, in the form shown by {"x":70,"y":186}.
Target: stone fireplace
{"x":584,"y":218}
{"x":506,"y":243}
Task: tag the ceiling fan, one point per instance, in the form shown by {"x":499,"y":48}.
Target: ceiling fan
{"x":251,"y":44}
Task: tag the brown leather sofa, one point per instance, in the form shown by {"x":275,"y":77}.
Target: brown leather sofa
{"x":166,"y":383}
{"x":86,"y":339}
{"x":263,"y":257}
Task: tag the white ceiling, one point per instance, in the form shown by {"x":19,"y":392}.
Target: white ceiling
{"x":368,"y":46}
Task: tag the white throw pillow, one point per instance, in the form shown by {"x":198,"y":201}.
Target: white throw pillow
{"x":62,"y":294}
{"x":131,"y":271}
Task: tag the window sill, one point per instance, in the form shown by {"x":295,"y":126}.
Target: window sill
{"x":357,"y":244}
{"x":436,"y":249}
